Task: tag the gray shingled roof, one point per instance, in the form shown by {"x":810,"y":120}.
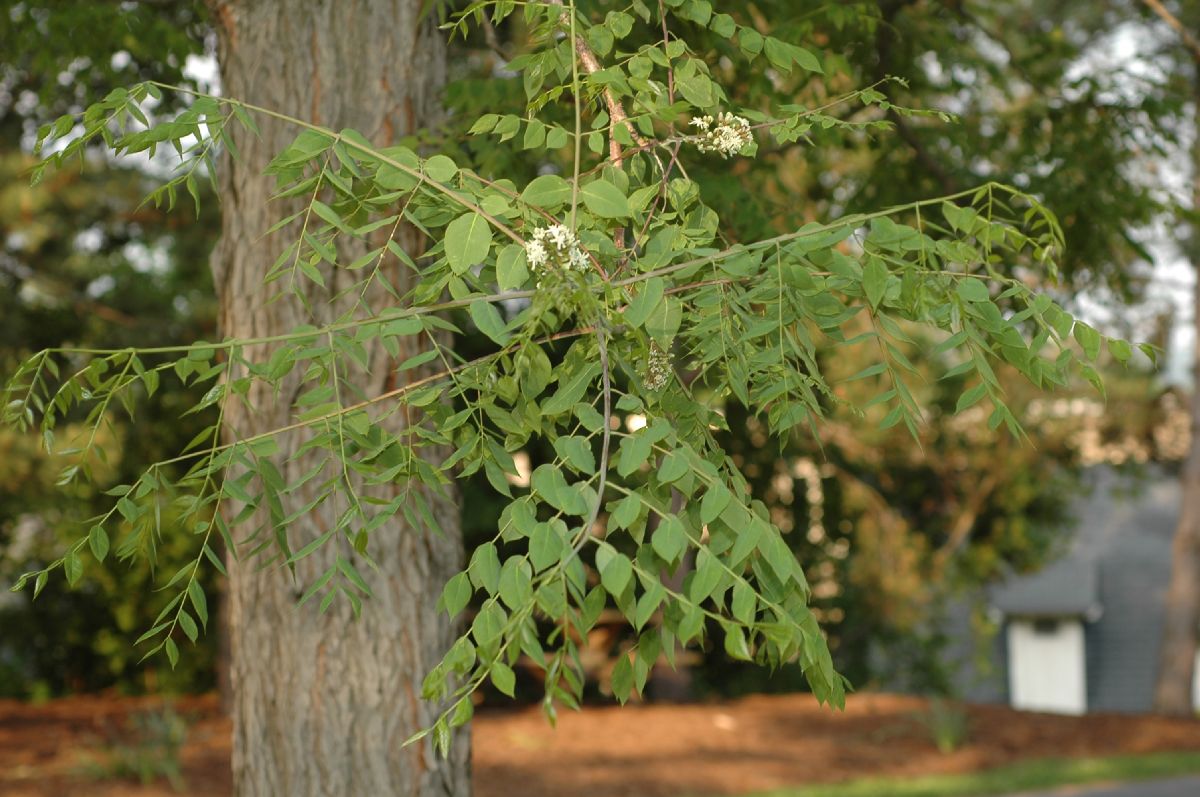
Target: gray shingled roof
{"x":1068,"y":587}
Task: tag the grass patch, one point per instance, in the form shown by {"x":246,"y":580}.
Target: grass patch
{"x":1045,"y":773}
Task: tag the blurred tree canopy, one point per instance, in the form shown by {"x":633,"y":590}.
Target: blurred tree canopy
{"x":83,"y":261}
{"x":876,"y":519}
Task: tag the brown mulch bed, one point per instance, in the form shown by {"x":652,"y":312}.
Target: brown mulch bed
{"x":58,"y":749}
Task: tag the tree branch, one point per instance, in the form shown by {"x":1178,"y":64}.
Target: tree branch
{"x":1189,"y":41}
{"x":964,"y":522}
{"x":616,"y":112}
{"x":492,"y":40}
{"x":883,"y":50}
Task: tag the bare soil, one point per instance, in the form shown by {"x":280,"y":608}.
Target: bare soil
{"x":64,"y":747}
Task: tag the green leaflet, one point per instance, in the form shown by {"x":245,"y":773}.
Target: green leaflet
{"x":488,"y":319}
{"x":468,"y":240}
{"x":549,"y":192}
{"x":512,"y":268}
{"x":645,"y":302}
{"x":604,"y":199}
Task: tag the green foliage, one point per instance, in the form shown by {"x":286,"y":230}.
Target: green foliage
{"x":67,"y":53}
{"x":609,"y":290}
{"x":84,"y":265}
{"x":888,"y":530}
{"x":1003,"y":70}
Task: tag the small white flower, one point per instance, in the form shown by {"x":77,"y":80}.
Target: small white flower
{"x":555,"y":247}
{"x":728,"y":137}
{"x":536,"y":252}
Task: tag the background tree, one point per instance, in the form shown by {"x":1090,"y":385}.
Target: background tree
{"x":1181,"y":632}
{"x":693,"y":25}
{"x":83,"y":265}
{"x":1031,"y":105}
{"x":153,"y":41}
{"x":339,"y":701}
{"x":83,"y":262}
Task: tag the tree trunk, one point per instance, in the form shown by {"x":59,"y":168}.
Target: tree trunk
{"x":323,"y":702}
{"x":1177,"y":659}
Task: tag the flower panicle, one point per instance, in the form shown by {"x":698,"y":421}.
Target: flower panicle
{"x":658,"y":368}
{"x":727,"y":134}
{"x":555,"y":248}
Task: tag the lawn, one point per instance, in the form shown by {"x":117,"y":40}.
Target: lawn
{"x":1046,"y":773}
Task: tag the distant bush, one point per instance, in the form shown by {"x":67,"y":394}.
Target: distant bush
{"x":947,"y":723}
{"x":149,"y":750}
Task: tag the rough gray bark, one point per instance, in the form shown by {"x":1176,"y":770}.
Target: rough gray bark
{"x":1177,"y":658}
{"x":322,"y":703}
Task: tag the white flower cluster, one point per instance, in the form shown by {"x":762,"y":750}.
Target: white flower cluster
{"x":658,"y":368}
{"x":555,"y":247}
{"x":727,"y":137}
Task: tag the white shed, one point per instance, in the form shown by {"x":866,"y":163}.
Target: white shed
{"x":1046,"y":616}
{"x":1083,"y":634}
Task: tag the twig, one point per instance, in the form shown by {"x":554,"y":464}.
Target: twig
{"x":616,"y":112}
{"x":1189,"y":41}
{"x":617,"y":116}
{"x":662,"y":15}
{"x":585,"y":531}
